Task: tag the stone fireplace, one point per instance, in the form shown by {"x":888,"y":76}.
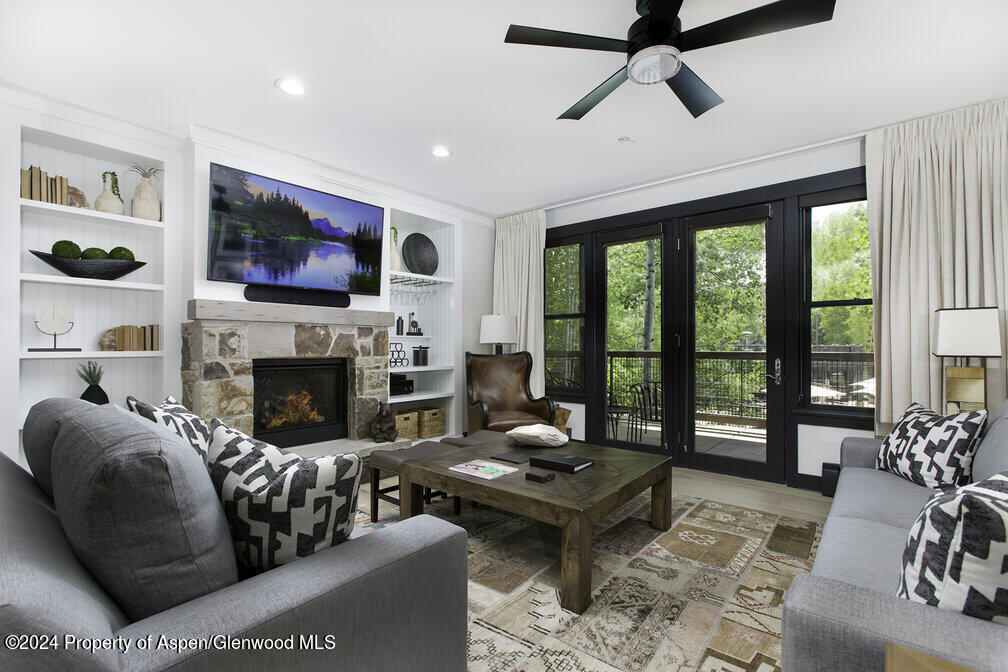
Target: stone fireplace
{"x":229,"y":345}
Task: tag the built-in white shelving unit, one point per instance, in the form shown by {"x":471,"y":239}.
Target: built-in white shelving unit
{"x":432,"y":301}
{"x":420,"y":369}
{"x":80,"y":214}
{"x":92,"y":354}
{"x":416,"y":280}
{"x":88,"y":282}
{"x":421,"y":396}
{"x":149,"y":295}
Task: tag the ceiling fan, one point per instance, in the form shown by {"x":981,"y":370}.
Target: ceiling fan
{"x":655,"y":43}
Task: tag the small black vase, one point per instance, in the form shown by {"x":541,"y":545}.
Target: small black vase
{"x":95,"y":394}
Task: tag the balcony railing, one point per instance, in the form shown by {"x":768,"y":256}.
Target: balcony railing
{"x":730,"y":385}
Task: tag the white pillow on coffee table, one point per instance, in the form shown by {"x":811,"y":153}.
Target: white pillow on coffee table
{"x":545,"y":436}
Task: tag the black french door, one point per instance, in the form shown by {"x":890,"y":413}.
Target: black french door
{"x":628,"y":363}
{"x":730,"y":307}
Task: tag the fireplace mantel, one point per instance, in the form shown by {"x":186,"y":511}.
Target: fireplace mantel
{"x":242,"y":311}
{"x":223,"y":338}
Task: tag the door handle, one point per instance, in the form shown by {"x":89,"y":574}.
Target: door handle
{"x":777,"y":376}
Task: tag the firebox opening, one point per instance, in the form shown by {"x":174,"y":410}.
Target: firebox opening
{"x":299,"y":401}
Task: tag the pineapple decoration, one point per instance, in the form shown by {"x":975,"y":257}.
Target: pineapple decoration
{"x":91,"y":373}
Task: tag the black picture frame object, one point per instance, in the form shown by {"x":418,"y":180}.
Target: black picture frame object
{"x":420,"y":254}
{"x":217,"y":243}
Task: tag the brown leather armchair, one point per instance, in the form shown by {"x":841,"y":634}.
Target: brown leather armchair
{"x":499,"y":396}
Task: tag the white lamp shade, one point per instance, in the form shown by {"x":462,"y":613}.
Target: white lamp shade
{"x":498,"y":329}
{"x":966,"y":332}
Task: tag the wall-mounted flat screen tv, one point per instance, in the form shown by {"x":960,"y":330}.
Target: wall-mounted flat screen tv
{"x":269,"y":232}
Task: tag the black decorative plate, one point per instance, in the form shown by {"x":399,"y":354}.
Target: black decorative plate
{"x":419,"y":254}
{"x":95,"y":269}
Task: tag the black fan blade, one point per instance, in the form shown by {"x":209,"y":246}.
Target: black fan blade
{"x":693,"y":92}
{"x":771,"y":18}
{"x":544,"y":37}
{"x":584,"y":106}
{"x":666,"y":10}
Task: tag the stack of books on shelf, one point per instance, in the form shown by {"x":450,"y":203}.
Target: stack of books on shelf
{"x":128,"y":337}
{"x":38,"y":186}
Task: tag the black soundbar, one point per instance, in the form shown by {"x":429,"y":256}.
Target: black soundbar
{"x":301,"y":297}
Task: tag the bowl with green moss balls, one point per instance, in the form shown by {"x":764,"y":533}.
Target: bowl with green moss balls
{"x":93,"y":263}
{"x":66,"y":249}
{"x":121,"y":253}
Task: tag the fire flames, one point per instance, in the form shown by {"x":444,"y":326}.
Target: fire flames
{"x":297,"y":409}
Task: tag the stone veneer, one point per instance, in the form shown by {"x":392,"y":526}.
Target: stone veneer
{"x":217,"y":357}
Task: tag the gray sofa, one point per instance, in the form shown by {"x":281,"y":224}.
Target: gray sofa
{"x":841,"y":616}
{"x":393,"y":599}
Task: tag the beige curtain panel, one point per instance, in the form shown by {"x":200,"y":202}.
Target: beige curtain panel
{"x":938,"y":212}
{"x":518,"y":284}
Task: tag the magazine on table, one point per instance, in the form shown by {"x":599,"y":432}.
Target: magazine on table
{"x":483,"y":469}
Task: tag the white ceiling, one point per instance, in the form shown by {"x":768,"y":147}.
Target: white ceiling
{"x":388,"y":80}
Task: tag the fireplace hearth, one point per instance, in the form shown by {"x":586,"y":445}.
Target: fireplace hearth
{"x":299,"y":401}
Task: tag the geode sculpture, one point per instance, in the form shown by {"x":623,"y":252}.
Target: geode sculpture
{"x":383,"y":427}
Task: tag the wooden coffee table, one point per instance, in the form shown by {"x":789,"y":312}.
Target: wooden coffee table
{"x":572,"y":502}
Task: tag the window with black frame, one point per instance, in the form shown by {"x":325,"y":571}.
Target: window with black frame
{"x":840,"y":370}
{"x":565,"y":317}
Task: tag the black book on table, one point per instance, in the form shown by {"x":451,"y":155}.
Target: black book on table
{"x":568,"y":463}
{"x":514,"y":456}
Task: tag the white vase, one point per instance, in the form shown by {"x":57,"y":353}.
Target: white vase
{"x":146,"y":204}
{"x":395,"y":261}
{"x":108,"y":201}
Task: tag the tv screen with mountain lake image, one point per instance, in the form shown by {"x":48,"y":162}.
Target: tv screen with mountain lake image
{"x":268,"y":232}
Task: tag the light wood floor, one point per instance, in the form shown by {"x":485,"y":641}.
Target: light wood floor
{"x":769,"y":497}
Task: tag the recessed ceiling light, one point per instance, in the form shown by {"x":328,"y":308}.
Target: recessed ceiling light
{"x":290,"y":85}
{"x":441,"y":152}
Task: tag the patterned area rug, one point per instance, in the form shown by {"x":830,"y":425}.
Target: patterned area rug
{"x":706,"y":595}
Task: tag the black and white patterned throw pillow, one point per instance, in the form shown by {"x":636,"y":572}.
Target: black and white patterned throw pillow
{"x":957,"y":553}
{"x":930,"y":449}
{"x":178,"y":418}
{"x":281,"y":507}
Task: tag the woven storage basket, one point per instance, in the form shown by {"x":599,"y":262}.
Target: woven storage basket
{"x":407,"y":422}
{"x":432,"y":422}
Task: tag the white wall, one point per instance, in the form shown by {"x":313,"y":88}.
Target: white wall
{"x":576,"y":423}
{"x":475,"y":298}
{"x":760,"y":172}
{"x":817,"y":445}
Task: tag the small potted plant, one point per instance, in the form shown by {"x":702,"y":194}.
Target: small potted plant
{"x":91,"y":373}
{"x":146,"y":202}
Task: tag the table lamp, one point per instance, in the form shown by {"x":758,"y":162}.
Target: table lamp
{"x":498,"y":330}
{"x":966,"y":332}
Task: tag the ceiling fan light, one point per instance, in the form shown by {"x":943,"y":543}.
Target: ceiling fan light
{"x":655,"y":64}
